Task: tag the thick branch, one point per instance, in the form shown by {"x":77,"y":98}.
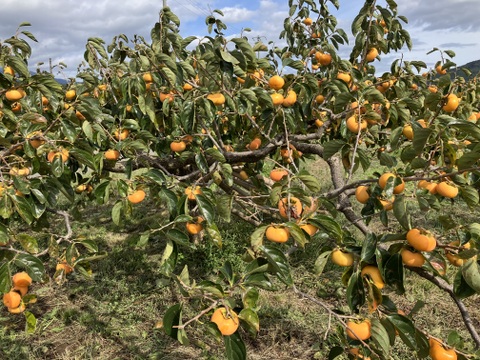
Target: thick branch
{"x":344,"y":204}
{"x":440,"y":283}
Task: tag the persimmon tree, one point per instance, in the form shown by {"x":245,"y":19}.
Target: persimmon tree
{"x":216,"y":128}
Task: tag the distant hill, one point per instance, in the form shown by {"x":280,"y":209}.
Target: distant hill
{"x":473,"y":66}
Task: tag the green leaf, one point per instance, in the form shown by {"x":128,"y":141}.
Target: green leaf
{"x":355,"y":292}
{"x":368,"y":248}
{"x":201,"y":163}
{"x":250,"y":317}
{"x":380,"y":337}
{"x":423,"y":347}
{"x":321,"y":261}
{"x":31,"y":322}
{"x":226,"y":56}
{"x":461,"y":288}
{"x":393,"y":270}
{"x":32,"y":265}
{"x":256,"y":238}
{"x":297,"y":234}
{"x":172,"y":318}
{"x":467,"y":127}
{"x":179,"y":237}
{"x":328,"y":225}
{"x":277,"y":259}
{"x":420,"y":138}
{"x":235,"y":347}
{"x":4,"y":238}
{"x":260,"y":280}
{"x":5,"y":278}
{"x":206,"y":208}
{"x":215,"y":154}
{"x":332,"y":147}
{"x":224,"y":207}
{"x":406,"y":329}
{"x":470,"y":195}
{"x":117,"y":212}
{"x":400,"y":211}
{"x":24,"y":209}
{"x":214,"y":234}
{"x":335,"y":352}
{"x":250,"y":298}
{"x":29,"y":243}
{"x":310,"y":181}
{"x":471,"y":274}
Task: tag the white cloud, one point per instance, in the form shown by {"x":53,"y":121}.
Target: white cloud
{"x":236,"y":14}
{"x":63,"y":26}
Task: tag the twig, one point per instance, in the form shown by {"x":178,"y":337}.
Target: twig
{"x":331,"y":313}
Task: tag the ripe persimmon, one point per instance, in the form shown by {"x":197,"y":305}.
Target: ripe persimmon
{"x":341,"y":258}
{"x":276,"y":82}
{"x":451,"y":103}
{"x":439,"y":69}
{"x":375,"y":275}
{"x":217,"y":98}
{"x":8,"y":70}
{"x":194,"y":227}
{"x":12,"y":299}
{"x":70,"y":95}
{"x":191,"y":193}
{"x":121,"y":134}
{"x":61,"y":153}
{"x":324,"y":59}
{"x":345,"y":77}
{"x":19,"y":309}
{"x":277,"y":99}
{"x":372,"y":54}
{"x":227,"y":320}
{"x":21,"y":279}
{"x":382,"y":182}
{"x":37,"y":140}
{"x":147,"y":77}
{"x":277,"y":233}
{"x":112,"y":154}
{"x":290,"y":206}
{"x":290,"y":99}
{"x":453,"y":258}
{"x":354,"y":126}
{"x":446,"y":190}
{"x":413,"y":259}
{"x":421,"y":240}
{"x":361,"y":194}
{"x":408,"y":131}
{"x":308,"y":21}
{"x":21,"y":289}
{"x":319,"y":99}
{"x":14,"y":95}
{"x":254,"y":144}
{"x":166,"y":97}
{"x":178,"y":146}
{"x":67,"y":269}
{"x":430,"y":186}
{"x":309,"y":229}
{"x":137,"y":196}
{"x":278,"y":174}
{"x":438,"y":352}
{"x":359,"y":330}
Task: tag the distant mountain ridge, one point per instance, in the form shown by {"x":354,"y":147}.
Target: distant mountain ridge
{"x":473,"y":66}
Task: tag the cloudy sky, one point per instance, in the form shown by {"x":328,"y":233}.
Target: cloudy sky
{"x":63,"y":26}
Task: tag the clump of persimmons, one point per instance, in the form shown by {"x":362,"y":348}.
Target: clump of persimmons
{"x":13,"y":300}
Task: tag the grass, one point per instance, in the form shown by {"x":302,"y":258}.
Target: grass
{"x":116,"y":313}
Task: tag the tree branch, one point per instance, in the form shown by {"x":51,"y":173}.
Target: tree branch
{"x":442,"y":284}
